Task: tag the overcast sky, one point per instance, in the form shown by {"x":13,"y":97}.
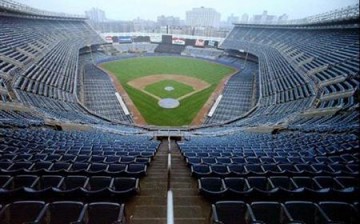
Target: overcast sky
{"x":150,"y":9}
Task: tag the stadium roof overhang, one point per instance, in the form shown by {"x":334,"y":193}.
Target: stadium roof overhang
{"x":352,"y":22}
{"x":11,"y":9}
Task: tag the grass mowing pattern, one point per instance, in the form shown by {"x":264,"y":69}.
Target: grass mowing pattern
{"x":129,"y":69}
{"x":158,"y":89}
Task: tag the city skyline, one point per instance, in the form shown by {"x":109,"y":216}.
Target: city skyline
{"x":150,"y":10}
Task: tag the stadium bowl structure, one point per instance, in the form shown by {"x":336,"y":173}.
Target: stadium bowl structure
{"x":272,"y":137}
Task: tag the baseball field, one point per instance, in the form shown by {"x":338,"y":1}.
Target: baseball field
{"x":148,"y":80}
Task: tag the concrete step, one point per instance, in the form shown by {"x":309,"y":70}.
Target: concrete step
{"x":192,"y":221}
{"x":148,"y":221}
{"x":150,"y":178}
{"x":188,"y":211}
{"x":153,"y":192}
{"x":160,"y":175}
{"x":153,"y":200}
{"x":149,"y":211}
{"x":149,"y":206}
{"x":189,"y":200}
{"x":185,"y":191}
{"x":176,"y":185}
{"x":154,"y":185}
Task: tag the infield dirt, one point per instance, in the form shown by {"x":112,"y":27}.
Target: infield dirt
{"x":197,"y":84}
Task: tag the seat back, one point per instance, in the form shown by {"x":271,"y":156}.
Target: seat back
{"x":267,"y":212}
{"x":61,"y":212}
{"x":30,"y":211}
{"x":47,"y":181}
{"x":211,"y":184}
{"x":110,"y":213}
{"x":304,"y":211}
{"x":98,"y":183}
{"x":21,"y":181}
{"x":340,"y":211}
{"x":236,"y":183}
{"x":229,"y":212}
{"x":283,"y":182}
{"x":124,"y":183}
{"x":72,"y":182}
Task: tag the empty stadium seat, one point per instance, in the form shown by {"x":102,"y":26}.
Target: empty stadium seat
{"x":229,"y":212}
{"x":60,"y":212}
{"x":304,"y":212}
{"x":20,"y":212}
{"x":212,"y":187}
{"x":111,"y":213}
{"x":339,"y":212}
{"x":266,"y":212}
{"x":124,"y":187}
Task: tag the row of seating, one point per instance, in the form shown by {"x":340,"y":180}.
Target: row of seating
{"x":78,"y":168}
{"x":341,"y":122}
{"x":11,"y":118}
{"x":50,"y":141}
{"x":280,"y":188}
{"x":241,"y":170}
{"x":57,"y":187}
{"x":68,"y":110}
{"x":73,"y":156}
{"x":136,"y":47}
{"x":169,"y":48}
{"x":272,"y":212}
{"x":296,"y":144}
{"x":208,"y":53}
{"x":60,"y":212}
{"x":268,"y":158}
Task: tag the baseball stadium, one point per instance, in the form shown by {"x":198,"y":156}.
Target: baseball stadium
{"x":259,"y":126}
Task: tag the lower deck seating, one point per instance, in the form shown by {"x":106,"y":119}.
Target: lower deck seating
{"x":270,"y":170}
{"x":62,"y":212}
{"x":280,"y":188}
{"x":169,"y":48}
{"x":99,"y":94}
{"x":70,"y":187}
{"x":237,"y":94}
{"x":272,"y":212}
{"x":86,"y":166}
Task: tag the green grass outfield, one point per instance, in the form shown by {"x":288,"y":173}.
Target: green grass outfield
{"x":133,"y":68}
{"x":158,"y":89}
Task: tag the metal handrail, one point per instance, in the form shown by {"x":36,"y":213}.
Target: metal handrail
{"x":170,"y":208}
{"x":170,"y":202}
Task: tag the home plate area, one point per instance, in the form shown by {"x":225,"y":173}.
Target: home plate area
{"x":169,"y":103}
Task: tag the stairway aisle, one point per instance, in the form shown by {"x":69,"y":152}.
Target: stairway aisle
{"x":149,"y":206}
{"x":189,"y":206}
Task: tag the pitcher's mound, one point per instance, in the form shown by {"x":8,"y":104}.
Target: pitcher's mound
{"x":168,"y":103}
